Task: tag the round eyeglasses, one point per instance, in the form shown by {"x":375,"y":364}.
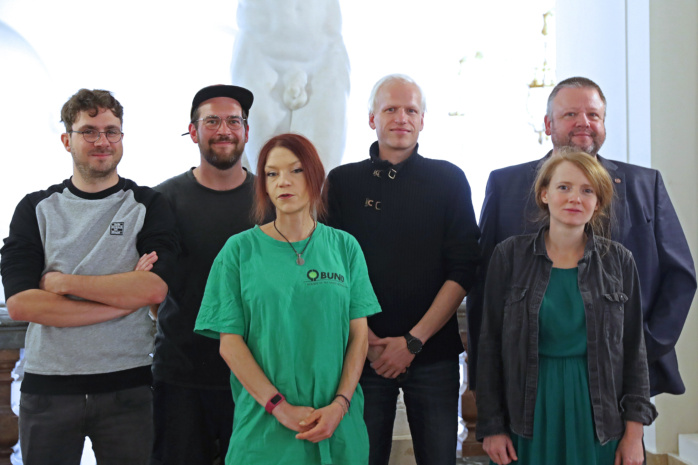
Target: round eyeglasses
{"x":213,"y":122}
{"x":93,"y":135}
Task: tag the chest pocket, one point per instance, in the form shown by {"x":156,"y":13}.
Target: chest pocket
{"x":514,"y":309}
{"x":613,"y":306}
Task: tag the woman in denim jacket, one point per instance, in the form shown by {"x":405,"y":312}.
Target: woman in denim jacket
{"x":563,"y":371}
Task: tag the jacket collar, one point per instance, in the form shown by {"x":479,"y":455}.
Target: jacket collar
{"x":539,"y":243}
{"x":608,"y":164}
{"x":380,"y":166}
{"x":621,"y":223}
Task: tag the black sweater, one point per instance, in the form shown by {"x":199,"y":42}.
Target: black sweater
{"x":416,"y":226}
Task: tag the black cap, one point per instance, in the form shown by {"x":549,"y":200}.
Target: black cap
{"x":242,"y":95}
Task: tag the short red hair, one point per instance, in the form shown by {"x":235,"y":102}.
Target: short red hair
{"x":312,"y":169}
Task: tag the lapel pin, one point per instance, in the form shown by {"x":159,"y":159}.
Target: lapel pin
{"x":617,"y":180}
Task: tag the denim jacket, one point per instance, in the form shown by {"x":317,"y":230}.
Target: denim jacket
{"x":507,"y":377}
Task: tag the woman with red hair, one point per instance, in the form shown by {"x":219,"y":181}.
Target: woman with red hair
{"x":289,"y":301}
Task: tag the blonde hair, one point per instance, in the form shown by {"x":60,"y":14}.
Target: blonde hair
{"x":598,"y":177}
{"x":390,"y":78}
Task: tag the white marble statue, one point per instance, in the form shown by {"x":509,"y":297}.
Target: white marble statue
{"x":291,"y":55}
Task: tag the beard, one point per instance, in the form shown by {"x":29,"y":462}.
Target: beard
{"x":222,"y":161}
{"x":591,"y":148}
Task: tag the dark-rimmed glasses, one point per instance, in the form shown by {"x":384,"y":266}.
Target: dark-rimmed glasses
{"x":93,"y":135}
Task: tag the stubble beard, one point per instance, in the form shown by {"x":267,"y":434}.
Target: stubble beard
{"x":91,"y":173}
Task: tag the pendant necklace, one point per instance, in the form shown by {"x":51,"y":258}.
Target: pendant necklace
{"x":299,"y":259}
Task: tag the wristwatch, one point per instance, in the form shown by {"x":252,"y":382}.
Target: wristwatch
{"x":414,"y":345}
{"x":274,"y":401}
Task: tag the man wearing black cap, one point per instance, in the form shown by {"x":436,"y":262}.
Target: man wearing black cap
{"x":193,"y":405}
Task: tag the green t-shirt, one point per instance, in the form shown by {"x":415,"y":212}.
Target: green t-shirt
{"x":295,"y":321}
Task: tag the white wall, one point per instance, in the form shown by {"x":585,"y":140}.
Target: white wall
{"x":674,"y":100}
{"x":473,"y":58}
{"x":591,"y":42}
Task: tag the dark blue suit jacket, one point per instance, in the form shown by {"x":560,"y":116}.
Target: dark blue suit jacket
{"x":643,"y":220}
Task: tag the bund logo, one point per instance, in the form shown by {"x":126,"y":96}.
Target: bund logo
{"x":117,"y":229}
{"x":324,"y":277}
{"x":313,"y":275}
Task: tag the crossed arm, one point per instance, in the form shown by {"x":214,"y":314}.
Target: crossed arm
{"x":104,"y":297}
{"x":311,"y":424}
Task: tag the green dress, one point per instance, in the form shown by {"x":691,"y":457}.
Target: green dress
{"x":563,"y":426}
{"x":295,"y":321}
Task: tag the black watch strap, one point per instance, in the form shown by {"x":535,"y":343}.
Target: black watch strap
{"x":414,"y":345}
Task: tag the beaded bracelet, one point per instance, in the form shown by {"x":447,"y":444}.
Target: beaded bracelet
{"x":346,"y":400}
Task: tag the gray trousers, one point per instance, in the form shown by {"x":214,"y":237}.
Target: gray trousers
{"x":52,"y":428}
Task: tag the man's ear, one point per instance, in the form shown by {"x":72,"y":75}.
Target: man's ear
{"x":193,"y":133}
{"x":65,"y":139}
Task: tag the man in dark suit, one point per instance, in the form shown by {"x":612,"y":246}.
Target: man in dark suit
{"x":643,"y":220}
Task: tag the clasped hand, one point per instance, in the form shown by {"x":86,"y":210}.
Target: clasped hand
{"x":310,"y":424}
{"x":389,"y":356}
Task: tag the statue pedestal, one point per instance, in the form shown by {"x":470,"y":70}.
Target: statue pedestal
{"x":11,"y":340}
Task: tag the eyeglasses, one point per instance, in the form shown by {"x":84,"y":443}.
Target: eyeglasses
{"x":213,"y":122}
{"x":93,"y":135}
